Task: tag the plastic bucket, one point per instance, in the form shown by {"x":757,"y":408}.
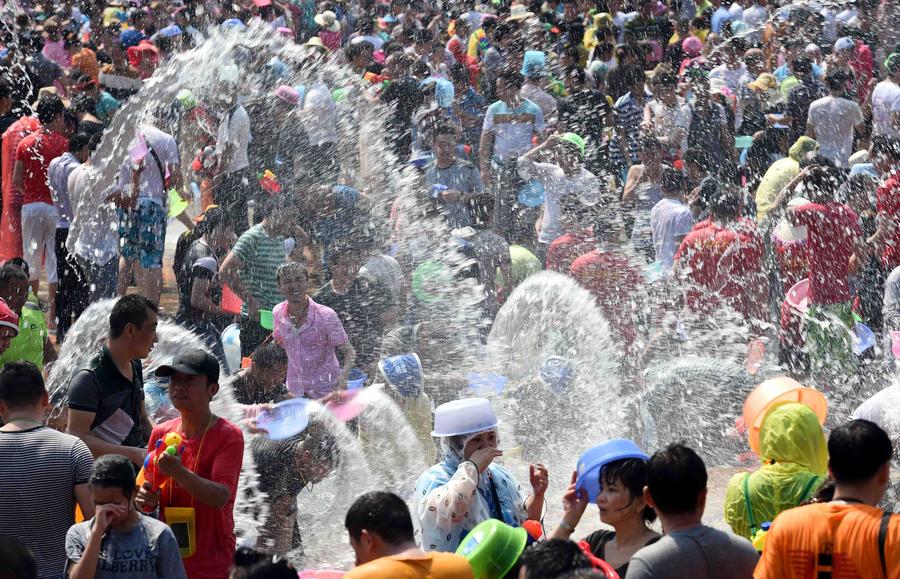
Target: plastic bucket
{"x":776,"y":391}
{"x":231,"y":303}
{"x":531,"y":194}
{"x":593,"y":460}
{"x":347,"y":409}
{"x":492,"y":548}
{"x":487,"y":383}
{"x":464,"y":416}
{"x":266,"y":320}
{"x":863,"y":338}
{"x":798,"y":296}
{"x":403,"y":372}
{"x":356,"y":379}
{"x":177,"y":205}
{"x":743,"y":141}
{"x":231,"y":345}
{"x":286,"y":419}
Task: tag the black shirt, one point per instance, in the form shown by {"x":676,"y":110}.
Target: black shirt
{"x":116,"y":402}
{"x":598,"y":540}
{"x":360,"y":311}
{"x":189,"y":271}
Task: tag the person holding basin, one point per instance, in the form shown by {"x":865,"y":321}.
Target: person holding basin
{"x":612,"y":475}
{"x":467,"y":487}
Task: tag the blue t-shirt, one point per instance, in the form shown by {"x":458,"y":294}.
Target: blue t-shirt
{"x":513,"y":128}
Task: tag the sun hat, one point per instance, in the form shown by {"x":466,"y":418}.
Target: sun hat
{"x":328,"y":21}
{"x":464,"y":416}
{"x":765,"y":81}
{"x":8,"y":318}
{"x":845,"y":43}
{"x":288,"y":94}
{"x":575,"y":139}
{"x":518,"y":12}
{"x":316,"y":42}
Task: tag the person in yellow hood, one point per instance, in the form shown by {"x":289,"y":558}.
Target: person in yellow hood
{"x":794,"y":459}
{"x":779,"y":174}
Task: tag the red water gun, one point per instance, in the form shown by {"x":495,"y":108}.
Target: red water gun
{"x":170,"y":444}
{"x":269,"y":182}
{"x":597,"y":562}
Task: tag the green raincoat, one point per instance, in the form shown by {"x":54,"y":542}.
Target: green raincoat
{"x":795,"y":462}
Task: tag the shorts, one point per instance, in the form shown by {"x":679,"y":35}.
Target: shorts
{"x":143,"y":233}
{"x":39,"y":239}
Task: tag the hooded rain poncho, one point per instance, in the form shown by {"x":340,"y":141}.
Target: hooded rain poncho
{"x":795,"y":462}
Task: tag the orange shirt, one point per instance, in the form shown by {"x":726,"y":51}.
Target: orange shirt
{"x":431,"y":565}
{"x":809,"y":541}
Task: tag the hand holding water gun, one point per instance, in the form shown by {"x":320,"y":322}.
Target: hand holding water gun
{"x":170,"y":444}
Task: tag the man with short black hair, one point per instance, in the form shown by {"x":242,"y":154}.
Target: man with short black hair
{"x":676,"y":490}
{"x":204,"y":475}
{"x":118,"y":541}
{"x":551,"y":559}
{"x":850,"y":533}
{"x":381,"y":534}
{"x":44,"y":472}
{"x":106,"y":397}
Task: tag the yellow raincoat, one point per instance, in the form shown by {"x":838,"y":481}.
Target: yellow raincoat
{"x":780,"y":174}
{"x":795,"y":462}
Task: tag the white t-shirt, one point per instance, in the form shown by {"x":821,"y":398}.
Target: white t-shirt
{"x":93,"y":234}
{"x":152,"y":180}
{"x":883,"y":408}
{"x":556,"y":185}
{"x":667,"y":121}
{"x":234,"y":130}
{"x":669,"y":219}
{"x":319,"y":116}
{"x":732,"y":77}
{"x":833,"y":119}
{"x":884,"y":98}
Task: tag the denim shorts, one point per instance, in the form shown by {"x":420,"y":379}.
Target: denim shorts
{"x":143,"y":233}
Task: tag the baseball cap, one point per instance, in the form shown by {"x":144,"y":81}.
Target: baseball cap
{"x":195,"y":362}
{"x":8,"y":318}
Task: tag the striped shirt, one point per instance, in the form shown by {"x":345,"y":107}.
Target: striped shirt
{"x":39,"y":469}
{"x":260,"y":256}
{"x":628,"y":122}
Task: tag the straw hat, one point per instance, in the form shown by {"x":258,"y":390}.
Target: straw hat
{"x":316,"y":42}
{"x":765,"y":81}
{"x":518,"y":12}
{"x":328,"y":21}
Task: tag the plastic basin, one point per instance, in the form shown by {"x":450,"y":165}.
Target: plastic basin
{"x":774,"y":392}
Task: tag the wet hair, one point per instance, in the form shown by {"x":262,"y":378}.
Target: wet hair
{"x":672,"y":180}
{"x":130,"y":309}
{"x":83,"y":103}
{"x":21,"y":385}
{"x":358,"y":48}
{"x":445,"y":128}
{"x":290,"y":267}
{"x":857,"y":450}
{"x":802,"y":67}
{"x":79,"y":141}
{"x":382,"y":513}
{"x":836,"y":79}
{"x":114,"y":471}
{"x":822,"y":178}
{"x":17,"y":262}
{"x":552,"y":558}
{"x":724,"y":202}
{"x":250,"y":563}
{"x":269,"y":354}
{"x":697,"y":157}
{"x":631,"y":473}
{"x":676,"y":477}
{"x":11,"y":272}
{"x":18,"y":562}
{"x":48,"y":107}
{"x":511,"y":78}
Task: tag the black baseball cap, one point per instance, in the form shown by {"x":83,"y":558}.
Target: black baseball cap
{"x":194,"y":362}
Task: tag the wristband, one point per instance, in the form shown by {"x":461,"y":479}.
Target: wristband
{"x":566,"y":526}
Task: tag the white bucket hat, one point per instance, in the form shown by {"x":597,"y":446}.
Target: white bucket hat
{"x":328,"y":21}
{"x":465,"y":416}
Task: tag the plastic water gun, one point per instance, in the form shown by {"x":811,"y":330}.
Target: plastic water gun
{"x":759,"y":537}
{"x":597,"y":562}
{"x":269,"y":182}
{"x":170,"y":444}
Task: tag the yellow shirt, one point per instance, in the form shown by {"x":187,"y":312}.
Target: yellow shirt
{"x":431,"y":565}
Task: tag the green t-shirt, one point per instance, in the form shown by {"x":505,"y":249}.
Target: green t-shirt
{"x":260,"y":255}
{"x":29,"y":344}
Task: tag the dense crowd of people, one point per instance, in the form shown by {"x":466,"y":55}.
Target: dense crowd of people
{"x":682,"y":160}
